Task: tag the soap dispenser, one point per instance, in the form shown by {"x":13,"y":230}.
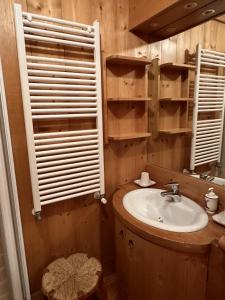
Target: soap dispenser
{"x":211,"y":201}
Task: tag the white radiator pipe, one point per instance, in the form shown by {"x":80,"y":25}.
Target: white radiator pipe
{"x":69,"y":192}
{"x":67,"y":187}
{"x":71,"y":196}
{"x":70,"y":181}
{"x":71,"y":168}
{"x":60,"y":74}
{"x":27,"y":15}
{"x":34,"y":65}
{"x":62,"y":42}
{"x":72,"y":173}
{"x":61,"y":35}
{"x":58,"y":28}
{"x":42,"y":154}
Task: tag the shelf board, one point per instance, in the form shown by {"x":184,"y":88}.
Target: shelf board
{"x":129,"y":136}
{"x":178,"y":67}
{"x":116,"y":99}
{"x":176,"y":99}
{"x":175,"y":130}
{"x":127,"y":60}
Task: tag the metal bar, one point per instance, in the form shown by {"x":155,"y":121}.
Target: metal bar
{"x":61,"y":80}
{"x":70,"y":170}
{"x":44,"y":39}
{"x":91,"y":191}
{"x":60,"y":74}
{"x":204,"y":51}
{"x":195,"y":111}
{"x":61,"y":92}
{"x":89,"y":28}
{"x":78,"y":172}
{"x":51,"y":33}
{"x":99,"y":121}
{"x":56,"y":148}
{"x":211,"y":76}
{"x":57,"y":86}
{"x":206,"y":161}
{"x":66,"y":155}
{"x":65,"y":116}
{"x":75,"y":158}
{"x":26,"y":105}
{"x":34,"y":65}
{"x":62,"y":133}
{"x":208,"y":120}
{"x":62,"y":104}
{"x":59,"y":98}
{"x":79,"y":178}
{"x":68,"y":163}
{"x":62,"y":110}
{"x":55,"y":195}
{"x":60,"y":60}
{"x":41,"y":154}
{"x":67,"y":187}
{"x":63,"y":140}
{"x":57,"y":27}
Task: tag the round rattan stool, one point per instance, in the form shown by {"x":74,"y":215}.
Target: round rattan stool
{"x":73,"y":278}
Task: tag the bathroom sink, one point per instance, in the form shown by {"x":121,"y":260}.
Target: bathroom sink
{"x":148,"y":206}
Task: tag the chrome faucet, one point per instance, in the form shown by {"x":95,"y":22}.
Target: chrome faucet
{"x":206,"y":176}
{"x":173,"y":193}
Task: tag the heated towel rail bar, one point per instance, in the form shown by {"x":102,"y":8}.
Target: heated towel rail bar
{"x":208,"y":114}
{"x":63,"y":164}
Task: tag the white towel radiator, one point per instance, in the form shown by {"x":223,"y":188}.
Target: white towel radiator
{"x":208,"y":114}
{"x":63,"y":164}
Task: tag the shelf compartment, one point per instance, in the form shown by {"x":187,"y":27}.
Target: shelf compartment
{"x":177,"y":99}
{"x":127,"y":60}
{"x":175,"y":130}
{"x":131,"y":99}
{"x":128,"y":136}
{"x":176,"y":66}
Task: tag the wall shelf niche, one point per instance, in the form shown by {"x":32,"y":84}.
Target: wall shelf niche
{"x":133,"y":99}
{"x":126,"y":98}
{"x":129,"y":136}
{"x":171,"y":87}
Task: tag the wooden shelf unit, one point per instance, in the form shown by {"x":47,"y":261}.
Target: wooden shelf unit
{"x":175,"y":130}
{"x":171,"y":94}
{"x":126,"y":98}
{"x":127,"y":60}
{"x":176,"y":66}
{"x":132,"y":99}
{"x":177,"y":99}
{"x":137,"y":135}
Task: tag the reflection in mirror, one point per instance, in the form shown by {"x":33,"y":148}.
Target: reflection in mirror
{"x":187,"y":111}
{"x":208,"y":114}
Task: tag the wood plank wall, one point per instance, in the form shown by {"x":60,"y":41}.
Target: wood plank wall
{"x":82,"y":224}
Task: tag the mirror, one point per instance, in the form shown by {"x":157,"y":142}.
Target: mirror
{"x":175,"y":124}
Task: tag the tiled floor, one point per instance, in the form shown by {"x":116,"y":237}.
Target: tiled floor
{"x":110,"y":285}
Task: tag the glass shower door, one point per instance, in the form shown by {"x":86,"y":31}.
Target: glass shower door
{"x":5,"y":285}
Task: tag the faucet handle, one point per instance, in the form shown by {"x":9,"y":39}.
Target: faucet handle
{"x":174,"y":186}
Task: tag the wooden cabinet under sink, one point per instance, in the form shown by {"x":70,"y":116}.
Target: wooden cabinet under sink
{"x":149,"y":271}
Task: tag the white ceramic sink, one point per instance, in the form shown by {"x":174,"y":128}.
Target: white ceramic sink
{"x":148,"y":206}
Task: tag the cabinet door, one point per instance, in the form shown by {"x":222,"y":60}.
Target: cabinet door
{"x":151,"y":272}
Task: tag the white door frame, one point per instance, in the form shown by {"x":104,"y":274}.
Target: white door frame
{"x":9,"y":206}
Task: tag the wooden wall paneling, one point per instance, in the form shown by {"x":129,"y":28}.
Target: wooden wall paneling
{"x":80,"y":224}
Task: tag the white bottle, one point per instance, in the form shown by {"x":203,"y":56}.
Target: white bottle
{"x":211,"y":201}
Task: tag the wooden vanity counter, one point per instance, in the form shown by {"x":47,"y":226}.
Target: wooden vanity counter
{"x":193,"y":242}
